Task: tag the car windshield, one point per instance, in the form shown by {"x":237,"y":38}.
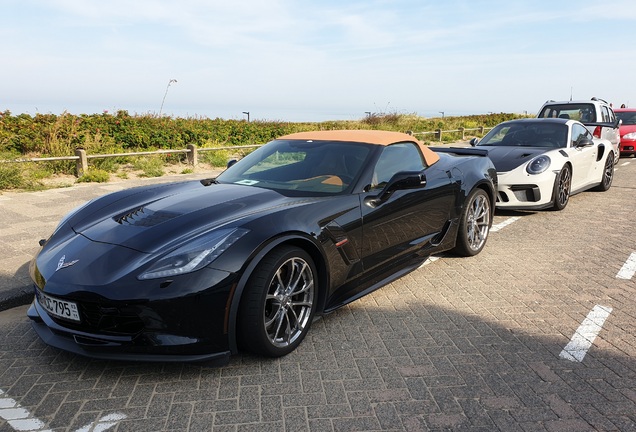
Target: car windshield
{"x":303,"y":167}
{"x":628,"y":117}
{"x":527,"y":134}
{"x":585,"y":113}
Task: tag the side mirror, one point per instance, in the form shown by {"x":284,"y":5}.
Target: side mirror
{"x":231,"y":162}
{"x":400,"y":181}
{"x":585,"y":142}
{"x":474,"y":141}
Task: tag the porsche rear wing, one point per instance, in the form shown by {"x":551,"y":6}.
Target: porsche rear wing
{"x":461,"y":151}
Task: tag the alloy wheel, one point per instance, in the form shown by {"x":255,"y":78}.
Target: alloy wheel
{"x":478,"y":222}
{"x":563,"y":187}
{"x":289,"y":301}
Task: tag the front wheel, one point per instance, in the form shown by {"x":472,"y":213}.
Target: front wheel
{"x":278,"y":303}
{"x":474,"y":224}
{"x":562,"y":185}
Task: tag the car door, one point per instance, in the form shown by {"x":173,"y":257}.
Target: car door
{"x":409,"y":219}
{"x":583,"y":158}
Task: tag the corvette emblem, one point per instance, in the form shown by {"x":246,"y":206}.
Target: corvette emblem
{"x":61,"y":264}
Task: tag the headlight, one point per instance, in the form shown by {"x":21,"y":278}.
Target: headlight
{"x":194,"y":255}
{"x":630,"y":136}
{"x":538,"y":165}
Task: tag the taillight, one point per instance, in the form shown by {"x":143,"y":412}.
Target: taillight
{"x":597,"y":132}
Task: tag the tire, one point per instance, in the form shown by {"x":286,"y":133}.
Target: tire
{"x":474,"y":224}
{"x":608,"y":174}
{"x":562,"y":188}
{"x":278,"y":303}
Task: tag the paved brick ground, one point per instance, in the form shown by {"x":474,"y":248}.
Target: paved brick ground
{"x":460,"y":344}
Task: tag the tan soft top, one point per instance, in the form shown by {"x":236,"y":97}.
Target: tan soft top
{"x":377,"y":137}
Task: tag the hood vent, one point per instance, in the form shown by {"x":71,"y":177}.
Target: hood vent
{"x":144,"y":217}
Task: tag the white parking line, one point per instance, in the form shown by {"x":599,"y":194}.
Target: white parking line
{"x":499,"y":226}
{"x":21,"y":420}
{"x":428,"y":261}
{"x":104,"y":423}
{"x":625,"y":163}
{"x":629,"y":268}
{"x":584,"y":336}
{"x":17,"y":417}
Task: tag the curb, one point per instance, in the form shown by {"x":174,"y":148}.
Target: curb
{"x":14,"y":297}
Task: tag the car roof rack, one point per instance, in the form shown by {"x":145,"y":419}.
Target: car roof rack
{"x":599,"y":99}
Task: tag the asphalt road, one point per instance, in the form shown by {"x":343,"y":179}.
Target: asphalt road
{"x":534,"y":334}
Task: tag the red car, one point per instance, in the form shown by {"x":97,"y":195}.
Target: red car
{"x":627,"y":130}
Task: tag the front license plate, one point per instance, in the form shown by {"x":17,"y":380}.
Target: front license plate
{"x":59,"y":308}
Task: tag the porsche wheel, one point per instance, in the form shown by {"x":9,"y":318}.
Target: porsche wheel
{"x":562,"y":185}
{"x":278,"y":303}
{"x":608,"y":174}
{"x":474,"y":224}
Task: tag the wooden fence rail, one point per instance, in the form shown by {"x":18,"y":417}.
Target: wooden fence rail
{"x":81,"y":157}
{"x":438,"y":132}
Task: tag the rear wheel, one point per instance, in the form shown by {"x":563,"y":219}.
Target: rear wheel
{"x":278,"y":303}
{"x":608,"y":174}
{"x":474,"y":224}
{"x":562,"y":185}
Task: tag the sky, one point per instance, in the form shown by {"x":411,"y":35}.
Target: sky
{"x":312,"y":60}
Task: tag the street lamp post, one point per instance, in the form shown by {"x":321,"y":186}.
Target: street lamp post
{"x":166,"y":94}
{"x":248,"y":115}
{"x":442,"y":113}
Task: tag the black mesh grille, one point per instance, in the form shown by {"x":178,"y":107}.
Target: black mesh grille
{"x":96,"y":318}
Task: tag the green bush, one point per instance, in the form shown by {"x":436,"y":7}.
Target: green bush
{"x":11,"y":176}
{"x":61,"y":135}
{"x":94,"y":176}
{"x":46,"y":135}
{"x":38,"y":172}
{"x":150,"y":166}
{"x":111,"y":164}
{"x":216,"y":158}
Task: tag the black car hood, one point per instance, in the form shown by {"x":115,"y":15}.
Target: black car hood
{"x":507,"y":158}
{"x":152,"y":219}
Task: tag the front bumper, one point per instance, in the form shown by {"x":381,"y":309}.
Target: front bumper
{"x":628,"y":148}
{"x":531,"y":192}
{"x":110,"y":347}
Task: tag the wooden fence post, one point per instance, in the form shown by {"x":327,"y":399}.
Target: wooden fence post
{"x":461,"y":129}
{"x":438,"y":134}
{"x":81,"y":165}
{"x":193,"y":155}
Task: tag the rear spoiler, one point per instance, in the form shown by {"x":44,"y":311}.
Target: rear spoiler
{"x":462,"y":151}
{"x":604,"y":124}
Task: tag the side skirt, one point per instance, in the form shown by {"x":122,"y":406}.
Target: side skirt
{"x":443,"y":241}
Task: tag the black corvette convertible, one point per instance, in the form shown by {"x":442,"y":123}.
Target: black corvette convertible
{"x":307,"y":223}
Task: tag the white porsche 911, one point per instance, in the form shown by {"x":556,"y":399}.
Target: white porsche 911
{"x":542,"y":162}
